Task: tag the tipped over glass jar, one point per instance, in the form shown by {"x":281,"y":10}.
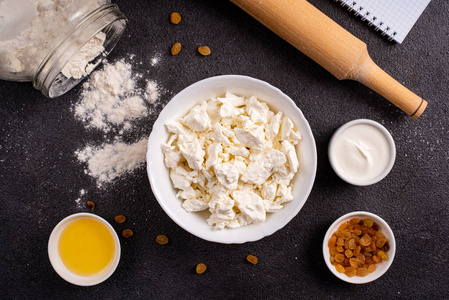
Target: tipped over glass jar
{"x":56,"y":43}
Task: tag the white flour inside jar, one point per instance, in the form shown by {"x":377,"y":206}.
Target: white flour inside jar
{"x":80,"y":64}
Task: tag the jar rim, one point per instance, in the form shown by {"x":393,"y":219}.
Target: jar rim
{"x":48,"y":77}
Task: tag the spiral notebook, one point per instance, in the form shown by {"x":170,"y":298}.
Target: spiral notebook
{"x":394,"y":18}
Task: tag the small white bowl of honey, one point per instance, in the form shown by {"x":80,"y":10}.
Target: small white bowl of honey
{"x":84,"y":249}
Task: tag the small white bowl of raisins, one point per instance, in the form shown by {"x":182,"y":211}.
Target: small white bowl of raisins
{"x":359,"y":247}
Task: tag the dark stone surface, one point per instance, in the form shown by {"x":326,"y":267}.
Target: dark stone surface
{"x":40,"y":177}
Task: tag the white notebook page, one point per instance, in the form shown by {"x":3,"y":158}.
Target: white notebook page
{"x":394,"y":18}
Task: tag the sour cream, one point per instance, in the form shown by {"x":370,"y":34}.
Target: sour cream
{"x":362,"y":152}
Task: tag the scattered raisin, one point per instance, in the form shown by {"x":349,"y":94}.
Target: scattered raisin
{"x":201,"y":268}
{"x":91,"y":205}
{"x":175,"y":18}
{"x":176,"y":48}
{"x":204,"y":50}
{"x":252,"y":259}
{"x":120,"y":219}
{"x":161,"y":239}
{"x":127,"y":233}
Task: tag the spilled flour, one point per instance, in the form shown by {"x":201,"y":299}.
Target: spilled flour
{"x":112,"y":102}
{"x":110,"y":161}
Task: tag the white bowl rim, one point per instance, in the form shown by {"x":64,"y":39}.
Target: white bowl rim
{"x":354,"y":181}
{"x":62,"y":270}
{"x":237,"y":239}
{"x":385,"y":229}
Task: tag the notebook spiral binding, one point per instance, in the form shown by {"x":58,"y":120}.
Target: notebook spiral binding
{"x":358,"y":10}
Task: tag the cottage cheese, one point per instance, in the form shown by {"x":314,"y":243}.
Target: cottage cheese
{"x":233,"y":156}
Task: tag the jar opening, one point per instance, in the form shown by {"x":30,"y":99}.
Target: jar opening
{"x":106,"y":19}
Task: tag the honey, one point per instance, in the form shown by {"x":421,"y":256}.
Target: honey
{"x":86,"y":247}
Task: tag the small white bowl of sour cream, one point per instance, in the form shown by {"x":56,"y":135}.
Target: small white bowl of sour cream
{"x":362,"y":152}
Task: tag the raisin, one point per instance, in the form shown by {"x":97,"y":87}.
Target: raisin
{"x":350,"y":271}
{"x":91,"y":205}
{"x":333,"y":251}
{"x":252,"y":259}
{"x":201,"y":268}
{"x":204,"y":50}
{"x":127,"y":233}
{"x":343,"y":226}
{"x":340,"y":268}
{"x":340,"y":249}
{"x":368,"y":222}
{"x":340,"y":241}
{"x":362,"y":272}
{"x":371,"y":268}
{"x":361,"y":258}
{"x":373,"y":246}
{"x":332,"y":241}
{"x":161,"y":239}
{"x":365,"y":240}
{"x":376,"y":259}
{"x":380,"y":242}
{"x":120,"y":219}
{"x":382,"y":255}
{"x":339,"y":257}
{"x":348,"y":253}
{"x":351,"y":244}
{"x":176,"y":48}
{"x":379,"y":234}
{"x":354,"y":262}
{"x":175,"y":18}
{"x":354,"y":221}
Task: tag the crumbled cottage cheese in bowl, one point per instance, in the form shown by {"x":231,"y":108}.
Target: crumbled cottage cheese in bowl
{"x":231,"y":151}
{"x":233,"y":156}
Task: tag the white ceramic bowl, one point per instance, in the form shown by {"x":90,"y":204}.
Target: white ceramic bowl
{"x":380,"y":268}
{"x":59,"y":266}
{"x":179,"y":106}
{"x":344,"y":176}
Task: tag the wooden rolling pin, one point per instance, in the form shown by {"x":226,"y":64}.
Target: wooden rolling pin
{"x":338,"y":51}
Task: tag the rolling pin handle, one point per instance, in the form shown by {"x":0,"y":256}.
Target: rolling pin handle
{"x":368,"y":73}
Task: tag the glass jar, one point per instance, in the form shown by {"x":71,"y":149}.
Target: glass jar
{"x":56,"y":43}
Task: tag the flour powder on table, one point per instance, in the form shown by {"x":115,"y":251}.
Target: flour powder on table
{"x":111,"y":102}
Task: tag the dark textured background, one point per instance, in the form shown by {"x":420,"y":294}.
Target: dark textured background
{"x":40,"y":177}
